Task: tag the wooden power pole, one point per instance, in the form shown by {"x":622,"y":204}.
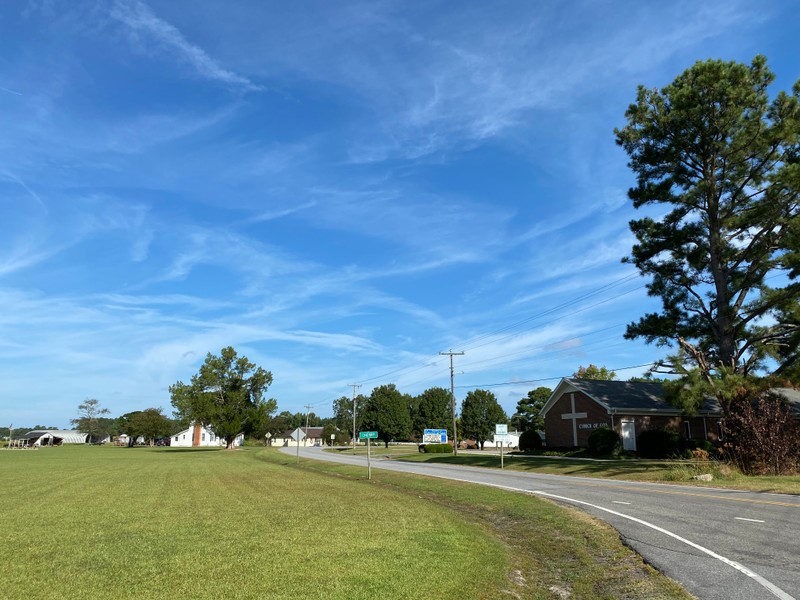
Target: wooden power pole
{"x":451,"y":354}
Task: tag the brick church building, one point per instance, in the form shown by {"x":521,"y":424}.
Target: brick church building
{"x":578,"y":406}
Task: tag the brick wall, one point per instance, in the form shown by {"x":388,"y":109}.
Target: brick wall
{"x":559,"y":432}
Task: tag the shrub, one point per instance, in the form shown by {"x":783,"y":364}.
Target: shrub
{"x":530,"y":441}
{"x":658,"y":443}
{"x":699,"y":444}
{"x":604,"y":442}
{"x":438,"y":449}
{"x":763,"y":436}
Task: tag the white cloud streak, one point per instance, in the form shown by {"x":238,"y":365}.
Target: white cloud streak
{"x":140,"y":20}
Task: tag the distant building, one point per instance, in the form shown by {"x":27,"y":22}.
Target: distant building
{"x":313,"y":437}
{"x":578,"y":406}
{"x":511,"y":441}
{"x":197,"y":435}
{"x":53,"y":437}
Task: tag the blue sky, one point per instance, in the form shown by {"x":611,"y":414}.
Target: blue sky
{"x":339,"y":190}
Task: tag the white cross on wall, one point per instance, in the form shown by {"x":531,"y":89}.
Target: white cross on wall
{"x":574,"y":416}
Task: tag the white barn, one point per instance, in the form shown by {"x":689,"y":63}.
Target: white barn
{"x":199,"y":436}
{"x":53,"y":437}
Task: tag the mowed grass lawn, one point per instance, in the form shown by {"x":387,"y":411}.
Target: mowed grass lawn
{"x":83,"y":521}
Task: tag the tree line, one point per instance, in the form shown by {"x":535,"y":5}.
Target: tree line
{"x":402,"y":417}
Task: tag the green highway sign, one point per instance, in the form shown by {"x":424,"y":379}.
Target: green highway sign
{"x":368,"y":435}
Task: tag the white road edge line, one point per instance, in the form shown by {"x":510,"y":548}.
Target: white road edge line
{"x":751,"y":520}
{"x":619,"y":502}
{"x":774,"y":589}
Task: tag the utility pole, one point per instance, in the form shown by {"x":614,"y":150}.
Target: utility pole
{"x":308,"y":410}
{"x":451,"y":354}
{"x":355,"y":386}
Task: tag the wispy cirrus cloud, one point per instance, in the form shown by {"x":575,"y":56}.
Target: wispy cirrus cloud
{"x":140,"y":20}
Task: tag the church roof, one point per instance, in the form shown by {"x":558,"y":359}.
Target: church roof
{"x":625,"y":396}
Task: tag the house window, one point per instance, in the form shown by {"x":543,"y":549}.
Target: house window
{"x":203,"y":437}
{"x":176,"y":438}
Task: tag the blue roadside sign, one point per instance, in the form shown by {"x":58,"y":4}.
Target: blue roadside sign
{"x":434,"y":436}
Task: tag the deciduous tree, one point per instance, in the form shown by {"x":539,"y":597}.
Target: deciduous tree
{"x":480,"y":412}
{"x":150,"y":424}
{"x":226,"y":395}
{"x":387,"y":412}
{"x":343,"y":413}
{"x":432,"y":410}
{"x":89,"y":414}
{"x":594,"y":372}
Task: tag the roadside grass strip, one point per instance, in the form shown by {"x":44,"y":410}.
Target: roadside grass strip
{"x":554,"y":551}
{"x":655,"y":471}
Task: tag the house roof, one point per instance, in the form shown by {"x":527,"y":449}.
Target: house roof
{"x":792,"y":397}
{"x":70,"y":436}
{"x":625,"y":397}
{"x":312,"y":433}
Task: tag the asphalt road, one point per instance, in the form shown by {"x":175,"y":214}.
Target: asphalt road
{"x":719,"y":544}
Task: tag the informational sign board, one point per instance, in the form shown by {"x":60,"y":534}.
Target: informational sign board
{"x":434,"y":436}
{"x":501,"y":435}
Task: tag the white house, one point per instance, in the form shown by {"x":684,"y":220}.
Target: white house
{"x":313,"y":437}
{"x":197,"y":435}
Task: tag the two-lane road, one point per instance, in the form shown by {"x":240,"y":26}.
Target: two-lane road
{"x":719,"y":544}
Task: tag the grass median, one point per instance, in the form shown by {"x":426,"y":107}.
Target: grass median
{"x":158,"y":523}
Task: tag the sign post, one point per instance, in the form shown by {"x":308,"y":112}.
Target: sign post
{"x":298,"y":435}
{"x":501,"y":435}
{"x":368,"y":435}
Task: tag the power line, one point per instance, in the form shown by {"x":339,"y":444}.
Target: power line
{"x":599,"y":290}
{"x":575,"y":312}
{"x":521,"y":381}
{"x":466,"y":345}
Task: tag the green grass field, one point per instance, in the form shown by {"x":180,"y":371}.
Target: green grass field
{"x":117,"y":522}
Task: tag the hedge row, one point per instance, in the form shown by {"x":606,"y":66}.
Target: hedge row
{"x":437,"y":448}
